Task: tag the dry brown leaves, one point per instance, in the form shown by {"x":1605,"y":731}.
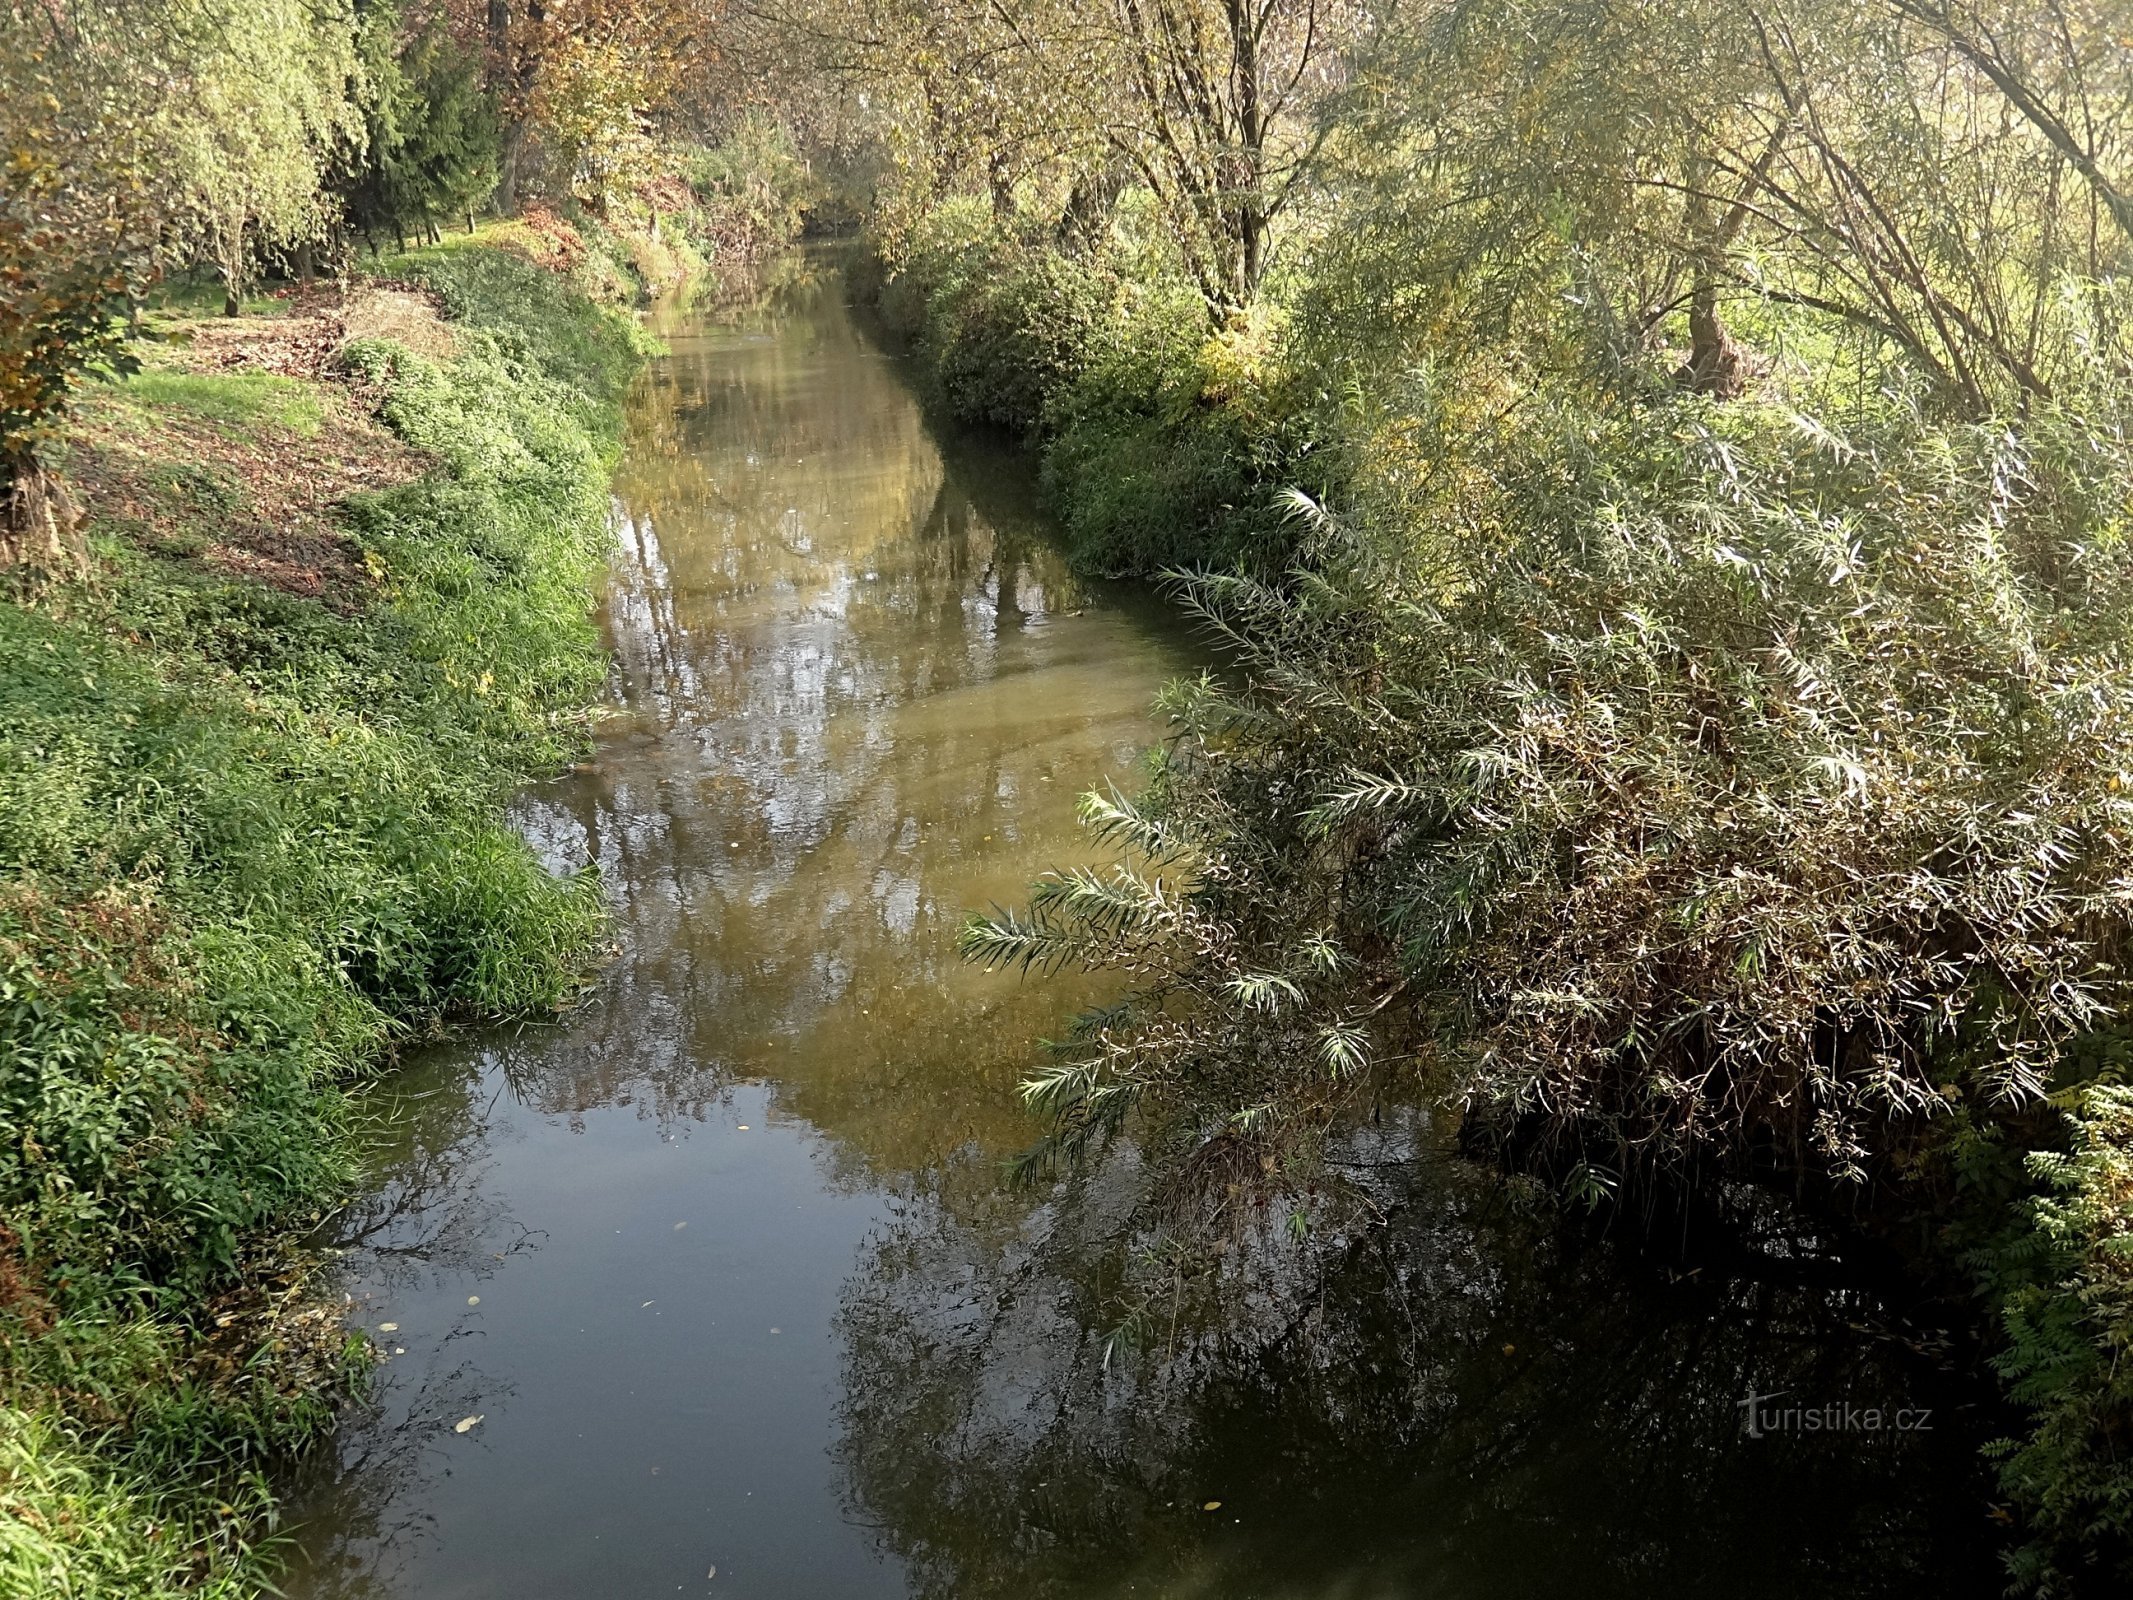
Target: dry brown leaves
{"x":303,"y":341}
{"x":257,"y":499}
{"x":667,"y":193}
{"x":282,"y":527}
{"x":22,"y":1297}
{"x":546,"y":240}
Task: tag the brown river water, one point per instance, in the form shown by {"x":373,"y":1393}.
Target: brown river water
{"x":724,"y":1261}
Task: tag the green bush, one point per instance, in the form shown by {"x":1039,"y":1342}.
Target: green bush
{"x":754,"y":191}
{"x":999,"y":327}
{"x":1171,"y":449}
{"x":1706,"y":781}
{"x":2069,"y":1350}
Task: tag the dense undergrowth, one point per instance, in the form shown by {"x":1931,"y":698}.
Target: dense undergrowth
{"x":704,"y":225}
{"x":1165,"y":442}
{"x":251,"y":837}
{"x":1688,"y":786}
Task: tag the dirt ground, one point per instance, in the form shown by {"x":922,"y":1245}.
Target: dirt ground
{"x":251,"y":495}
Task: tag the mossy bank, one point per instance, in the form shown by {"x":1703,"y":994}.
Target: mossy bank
{"x":252,"y":779}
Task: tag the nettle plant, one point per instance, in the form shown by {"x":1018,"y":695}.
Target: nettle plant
{"x":1677,"y":784}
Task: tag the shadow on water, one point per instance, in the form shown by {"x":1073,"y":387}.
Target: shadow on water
{"x":718,"y":1274}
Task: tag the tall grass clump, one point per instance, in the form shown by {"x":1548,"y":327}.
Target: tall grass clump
{"x":248,"y":842}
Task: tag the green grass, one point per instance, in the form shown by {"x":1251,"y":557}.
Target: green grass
{"x":536,"y":319}
{"x":247,"y":845}
{"x":235,"y":398}
{"x":73,"y":1525}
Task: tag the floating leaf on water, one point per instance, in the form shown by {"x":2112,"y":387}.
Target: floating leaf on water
{"x":464,"y":1424}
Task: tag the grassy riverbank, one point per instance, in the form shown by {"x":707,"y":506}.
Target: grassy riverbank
{"x":252,"y":777}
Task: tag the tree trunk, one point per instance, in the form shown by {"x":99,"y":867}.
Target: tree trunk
{"x":526,"y":70}
{"x":1719,"y":365}
{"x":1252,"y":232}
{"x":1000,"y":184}
{"x":40,"y":525}
{"x":501,"y":85}
{"x":229,"y":257}
{"x":507,"y":168}
{"x":1088,"y":209}
{"x":1250,"y":179}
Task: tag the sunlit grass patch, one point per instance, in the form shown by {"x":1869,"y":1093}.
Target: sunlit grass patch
{"x":234,"y":398}
{"x":73,"y":1524}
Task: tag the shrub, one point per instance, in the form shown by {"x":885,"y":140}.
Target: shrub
{"x":2069,"y":1351}
{"x":1705,"y":782}
{"x":998,"y":326}
{"x":753,"y":190}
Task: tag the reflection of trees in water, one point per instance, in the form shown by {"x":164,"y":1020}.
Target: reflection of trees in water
{"x":433,"y":1218}
{"x":432,"y":1212}
{"x":1464,"y":1401}
{"x":836,"y":713}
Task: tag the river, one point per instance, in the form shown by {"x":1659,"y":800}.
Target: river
{"x":715,"y":1288}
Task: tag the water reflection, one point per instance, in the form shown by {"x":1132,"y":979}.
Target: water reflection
{"x":1467,"y":1401}
{"x":723,"y":1265}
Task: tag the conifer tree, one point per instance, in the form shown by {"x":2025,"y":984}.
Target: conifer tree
{"x":433,"y":137}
